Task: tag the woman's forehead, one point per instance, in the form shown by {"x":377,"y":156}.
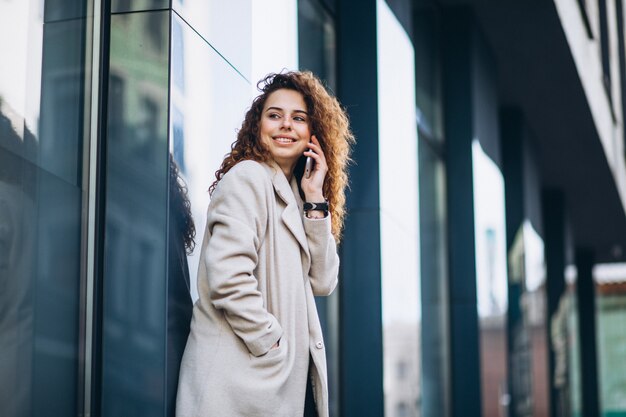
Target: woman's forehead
{"x":286,"y":99}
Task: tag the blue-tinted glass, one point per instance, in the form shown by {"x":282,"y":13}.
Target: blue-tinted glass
{"x":435,"y":358}
{"x":61,"y":129}
{"x":64,"y":10}
{"x":134,"y":303}
{"x":41,"y":112}
{"x":316,"y":41}
{"x":118,"y":6}
{"x":225,"y":25}
{"x":428,"y":82}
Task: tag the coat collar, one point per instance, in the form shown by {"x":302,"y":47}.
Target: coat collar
{"x":289,"y":193}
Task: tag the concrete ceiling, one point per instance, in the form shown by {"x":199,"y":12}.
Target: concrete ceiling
{"x":537,"y":74}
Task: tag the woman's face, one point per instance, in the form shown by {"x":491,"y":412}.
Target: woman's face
{"x":285,"y":127}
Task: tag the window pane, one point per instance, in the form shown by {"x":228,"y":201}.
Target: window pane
{"x":316,"y":41}
{"x":433,"y":246}
{"x":491,"y":278}
{"x":134,"y":278}
{"x":41,"y":168}
{"x":428,"y":82}
{"x":138,"y":5}
{"x":399,"y":216}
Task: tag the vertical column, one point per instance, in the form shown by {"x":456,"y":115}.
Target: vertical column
{"x":586,"y":296}
{"x":554,"y":228}
{"x":512,"y":151}
{"x":464,"y":343}
{"x":361,"y":375}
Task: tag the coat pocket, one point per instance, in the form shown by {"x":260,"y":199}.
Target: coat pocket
{"x":273,"y":356}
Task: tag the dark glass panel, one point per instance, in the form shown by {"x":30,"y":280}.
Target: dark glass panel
{"x":55,"y":10}
{"x":134,"y":303}
{"x":41,"y":114}
{"x":61,"y":128}
{"x":316,"y":41}
{"x":433,"y":250}
{"x":119,"y":6}
{"x":428,"y":72}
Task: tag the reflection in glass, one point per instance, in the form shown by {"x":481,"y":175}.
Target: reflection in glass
{"x":564,"y":335}
{"x":134,"y":307}
{"x":316,"y":46}
{"x":491,"y":279}
{"x":426,"y":27}
{"x":399,"y":217}
{"x":41,"y":113}
{"x":433,"y":264}
{"x":527,"y":321}
{"x":120,"y":6}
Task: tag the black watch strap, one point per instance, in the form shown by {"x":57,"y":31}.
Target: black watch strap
{"x":316,"y":206}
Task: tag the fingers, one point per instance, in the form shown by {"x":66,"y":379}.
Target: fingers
{"x":315,"y":151}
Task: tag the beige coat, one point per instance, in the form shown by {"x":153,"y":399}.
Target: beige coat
{"x":263,"y":263}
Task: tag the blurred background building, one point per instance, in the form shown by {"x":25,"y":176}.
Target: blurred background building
{"x":483,"y":261}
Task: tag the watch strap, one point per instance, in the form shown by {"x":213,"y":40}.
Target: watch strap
{"x":316,"y":206}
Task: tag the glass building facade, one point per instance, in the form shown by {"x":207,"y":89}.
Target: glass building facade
{"x":467,"y":281}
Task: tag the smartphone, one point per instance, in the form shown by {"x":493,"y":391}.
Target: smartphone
{"x":308,"y":167}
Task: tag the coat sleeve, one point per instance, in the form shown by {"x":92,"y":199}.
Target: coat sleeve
{"x":324,"y":271}
{"x":237,"y":222}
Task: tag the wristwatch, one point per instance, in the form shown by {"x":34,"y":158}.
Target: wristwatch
{"x":316,"y":207}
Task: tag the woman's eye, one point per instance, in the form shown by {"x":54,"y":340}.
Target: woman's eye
{"x":274,"y":116}
{"x":299,"y":119}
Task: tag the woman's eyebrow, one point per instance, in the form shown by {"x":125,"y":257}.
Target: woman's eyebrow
{"x":279,"y":109}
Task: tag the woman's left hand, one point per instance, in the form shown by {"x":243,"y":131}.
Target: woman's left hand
{"x":313,"y":186}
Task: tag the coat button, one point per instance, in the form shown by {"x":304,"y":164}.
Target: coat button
{"x":319,"y":345}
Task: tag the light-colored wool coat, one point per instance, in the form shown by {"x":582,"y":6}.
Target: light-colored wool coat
{"x":263,"y":261}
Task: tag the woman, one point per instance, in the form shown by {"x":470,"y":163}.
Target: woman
{"x":255,"y":334}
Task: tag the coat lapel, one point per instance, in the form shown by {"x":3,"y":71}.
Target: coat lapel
{"x":292,"y":215}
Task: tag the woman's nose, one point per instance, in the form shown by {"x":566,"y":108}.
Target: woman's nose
{"x":286,"y":123}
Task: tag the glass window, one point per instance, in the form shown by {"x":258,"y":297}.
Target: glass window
{"x":432,"y":212}
{"x":316,"y":41}
{"x":399,"y":227}
{"x":134,"y":277}
{"x":491,"y":278}
{"x":120,"y":6}
{"x":433,"y":247}
{"x":227,"y":27}
{"x":42,"y":113}
{"x":428,"y":93}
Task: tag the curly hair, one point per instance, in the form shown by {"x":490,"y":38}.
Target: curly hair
{"x":327,"y":120}
{"x":181,"y":207}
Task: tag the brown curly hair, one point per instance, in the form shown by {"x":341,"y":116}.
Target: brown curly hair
{"x":327,"y":120}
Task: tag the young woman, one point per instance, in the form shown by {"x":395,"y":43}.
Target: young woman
{"x":269,"y":248}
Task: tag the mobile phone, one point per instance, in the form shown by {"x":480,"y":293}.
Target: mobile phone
{"x":308,"y":167}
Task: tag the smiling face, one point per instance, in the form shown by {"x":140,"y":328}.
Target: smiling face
{"x":284,"y":128}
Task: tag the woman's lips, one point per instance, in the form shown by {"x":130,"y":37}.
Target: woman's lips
{"x":284,"y":140}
